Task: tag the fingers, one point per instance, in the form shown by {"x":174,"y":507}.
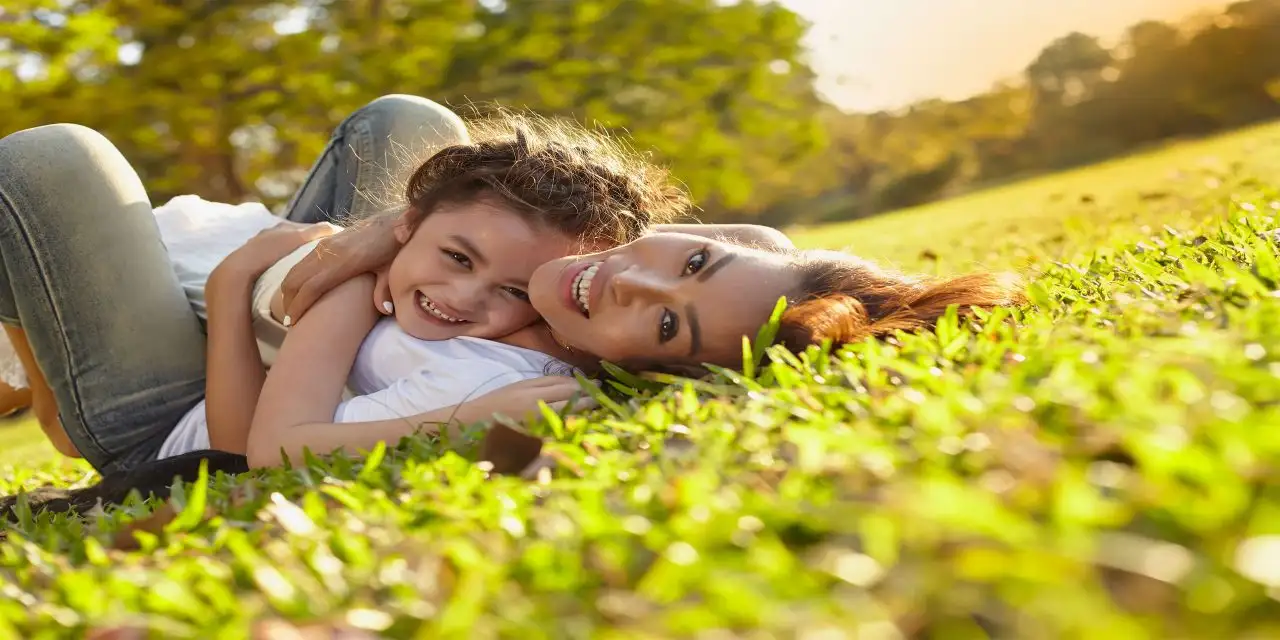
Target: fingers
{"x":304,"y":296}
{"x":546,"y":384}
{"x":282,"y":225}
{"x":297,"y":278}
{"x":338,"y":258}
{"x":321,"y":230}
{"x":565,"y":390}
{"x":573,"y":405}
{"x":307,"y":281}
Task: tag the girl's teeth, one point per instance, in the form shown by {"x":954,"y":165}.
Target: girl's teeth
{"x":430,"y":308}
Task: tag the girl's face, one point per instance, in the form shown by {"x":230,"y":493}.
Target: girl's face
{"x":667,"y":298}
{"x":465,"y":271}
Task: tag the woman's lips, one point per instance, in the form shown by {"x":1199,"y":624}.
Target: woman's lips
{"x":603,"y":275}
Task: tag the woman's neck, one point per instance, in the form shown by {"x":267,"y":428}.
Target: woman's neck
{"x":538,"y":337}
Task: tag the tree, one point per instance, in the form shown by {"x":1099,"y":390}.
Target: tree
{"x":233,"y":99}
{"x":1068,"y":69}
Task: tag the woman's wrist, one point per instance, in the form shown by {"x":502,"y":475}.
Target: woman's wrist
{"x":231,"y":280}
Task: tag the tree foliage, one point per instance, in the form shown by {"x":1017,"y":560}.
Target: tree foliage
{"x":233,"y":99}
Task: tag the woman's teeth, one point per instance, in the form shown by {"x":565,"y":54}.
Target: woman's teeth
{"x":582,"y":288}
{"x":430,"y":307}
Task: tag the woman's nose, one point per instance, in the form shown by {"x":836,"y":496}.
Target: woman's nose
{"x":635,"y":284}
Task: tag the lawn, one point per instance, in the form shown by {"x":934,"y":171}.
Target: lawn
{"x":1101,"y":465}
{"x":22,"y":443}
{"x":1057,"y":216}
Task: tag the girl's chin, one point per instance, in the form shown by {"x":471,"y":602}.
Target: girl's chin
{"x":430,"y":332}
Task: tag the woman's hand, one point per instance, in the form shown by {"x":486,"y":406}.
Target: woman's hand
{"x":365,"y":248}
{"x":269,"y":246}
{"x":519,"y":401}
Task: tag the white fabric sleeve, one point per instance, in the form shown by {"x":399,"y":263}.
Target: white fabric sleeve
{"x":427,"y":390}
{"x":11,"y":371}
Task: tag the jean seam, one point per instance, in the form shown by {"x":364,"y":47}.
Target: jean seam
{"x":311,"y":177}
{"x":21,"y":226}
{"x":362,"y":132}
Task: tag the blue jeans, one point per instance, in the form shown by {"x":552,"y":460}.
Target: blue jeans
{"x":84,"y":273}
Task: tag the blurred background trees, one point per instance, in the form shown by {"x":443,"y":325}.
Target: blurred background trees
{"x":233,"y":99}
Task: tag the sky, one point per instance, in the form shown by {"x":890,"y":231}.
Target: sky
{"x":883,"y":54}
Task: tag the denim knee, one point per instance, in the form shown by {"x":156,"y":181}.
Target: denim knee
{"x":41,"y":153}
{"x":389,"y":137}
{"x":409,"y":119}
{"x":56,"y":155}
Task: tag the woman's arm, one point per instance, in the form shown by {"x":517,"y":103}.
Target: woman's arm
{"x":234,"y":374}
{"x":234,"y":365}
{"x":752,"y":234}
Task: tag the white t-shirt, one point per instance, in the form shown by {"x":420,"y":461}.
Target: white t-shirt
{"x":394,"y":375}
{"x":397,"y":376}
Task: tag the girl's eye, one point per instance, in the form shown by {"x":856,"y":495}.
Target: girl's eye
{"x":517,"y":294}
{"x":459,"y":258}
{"x":696,"y":262}
{"x":668,"y":326}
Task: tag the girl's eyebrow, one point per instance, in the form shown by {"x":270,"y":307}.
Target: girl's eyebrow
{"x":471,"y":249}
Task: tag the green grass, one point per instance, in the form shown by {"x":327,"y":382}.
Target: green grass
{"x":1103,"y":465}
{"x":1053,"y":217}
{"x":22,"y":442}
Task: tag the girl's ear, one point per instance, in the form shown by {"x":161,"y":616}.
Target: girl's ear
{"x":404,"y":224}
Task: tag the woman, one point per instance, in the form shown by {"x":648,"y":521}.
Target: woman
{"x":666,"y":301}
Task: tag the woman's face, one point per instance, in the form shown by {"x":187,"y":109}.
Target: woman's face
{"x":667,"y":298}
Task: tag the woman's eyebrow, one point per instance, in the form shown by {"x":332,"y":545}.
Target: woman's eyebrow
{"x":714,"y":267}
{"x":695,"y":329}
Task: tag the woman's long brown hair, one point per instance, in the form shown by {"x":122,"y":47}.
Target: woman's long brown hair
{"x":846,"y":299}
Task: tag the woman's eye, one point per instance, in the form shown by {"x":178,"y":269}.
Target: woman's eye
{"x":459,"y":258}
{"x":696,"y":262}
{"x":517,"y":294}
{"x":668,"y":326}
